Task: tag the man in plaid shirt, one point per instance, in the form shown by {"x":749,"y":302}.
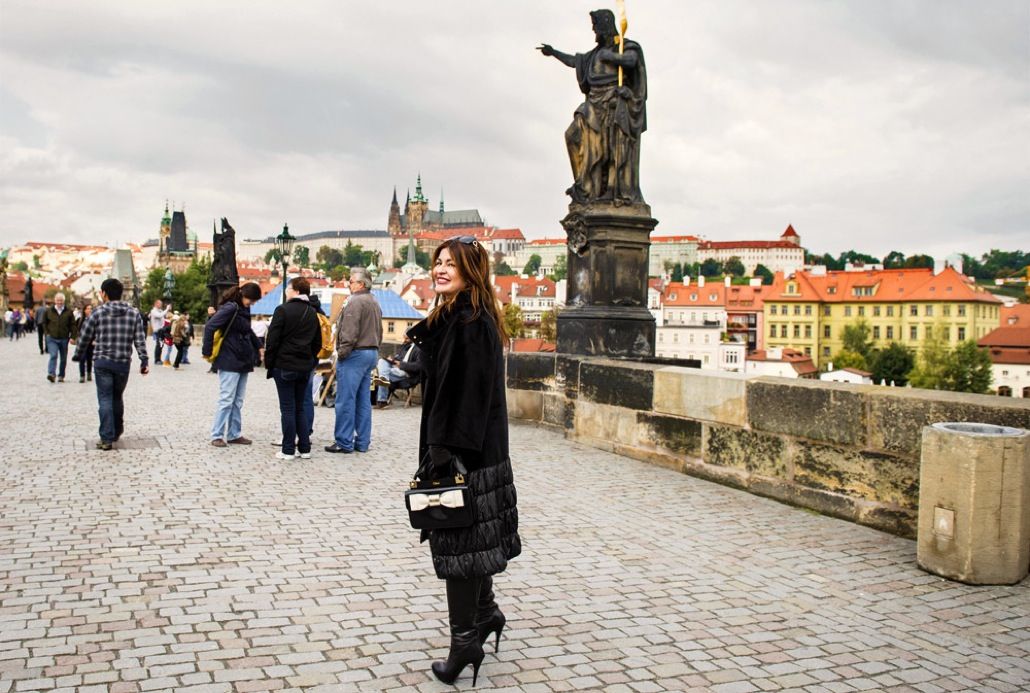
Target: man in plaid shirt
{"x":113,"y":329}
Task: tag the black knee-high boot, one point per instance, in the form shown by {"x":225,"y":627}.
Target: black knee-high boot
{"x":489,"y":618}
{"x":462,"y":603}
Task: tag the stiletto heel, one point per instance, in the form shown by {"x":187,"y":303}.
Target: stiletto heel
{"x":497,"y":643}
{"x":475,"y":672}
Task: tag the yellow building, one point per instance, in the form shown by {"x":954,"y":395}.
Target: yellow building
{"x":808,"y":310}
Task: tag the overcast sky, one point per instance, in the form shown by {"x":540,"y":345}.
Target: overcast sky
{"x":893,"y":125}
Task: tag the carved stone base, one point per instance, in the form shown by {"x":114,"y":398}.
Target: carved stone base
{"x":613,"y":331}
{"x":606,"y":303}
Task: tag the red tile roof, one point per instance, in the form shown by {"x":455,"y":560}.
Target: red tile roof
{"x":746,"y":298}
{"x":1006,"y":336}
{"x":1018,"y":314}
{"x":801,"y":364}
{"x":527,"y":287}
{"x":675,"y":239}
{"x":732,"y":245}
{"x":548,"y":241}
{"x":887,"y":286}
{"x":790,"y":232}
{"x":423,"y":290}
{"x":16,"y":290}
{"x":532,"y":345}
{"x":680,"y":294}
{"x":501,"y":234}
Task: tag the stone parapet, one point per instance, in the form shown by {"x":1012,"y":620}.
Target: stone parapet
{"x":850,"y":451}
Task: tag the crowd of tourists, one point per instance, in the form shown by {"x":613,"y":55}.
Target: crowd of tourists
{"x":455,"y":355}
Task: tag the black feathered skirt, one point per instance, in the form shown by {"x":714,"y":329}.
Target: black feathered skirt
{"x":485,"y":547}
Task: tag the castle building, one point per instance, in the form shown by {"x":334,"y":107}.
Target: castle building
{"x":177,"y":245}
{"x":417,"y":216}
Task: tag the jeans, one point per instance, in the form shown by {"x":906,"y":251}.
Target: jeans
{"x":186,"y":354}
{"x":168,"y":353}
{"x":110,"y":386}
{"x":391,"y":373}
{"x":158,"y":345}
{"x":309,"y":403}
{"x":353,"y":405}
{"x":86,"y":362}
{"x":292,"y":387}
{"x":56,"y":347}
{"x":231,"y":388}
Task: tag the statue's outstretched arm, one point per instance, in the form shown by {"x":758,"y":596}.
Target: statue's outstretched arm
{"x":563,"y":58}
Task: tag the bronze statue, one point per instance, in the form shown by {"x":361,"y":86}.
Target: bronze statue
{"x":223,"y":264}
{"x":604,"y":137}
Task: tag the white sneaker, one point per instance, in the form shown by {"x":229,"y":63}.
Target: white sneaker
{"x":305,"y":455}
{"x":283,"y":456}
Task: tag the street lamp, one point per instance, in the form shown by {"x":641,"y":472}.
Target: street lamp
{"x":284,"y":244}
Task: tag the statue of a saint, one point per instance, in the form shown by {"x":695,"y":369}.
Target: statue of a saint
{"x":223,"y":264}
{"x":604,"y":137}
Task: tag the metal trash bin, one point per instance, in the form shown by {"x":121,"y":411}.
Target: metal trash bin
{"x":974,"y":503}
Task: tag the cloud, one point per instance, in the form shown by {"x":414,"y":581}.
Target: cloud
{"x":874,"y":126}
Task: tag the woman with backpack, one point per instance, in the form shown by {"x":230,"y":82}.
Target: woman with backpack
{"x":239,"y":352}
{"x":291,"y":353}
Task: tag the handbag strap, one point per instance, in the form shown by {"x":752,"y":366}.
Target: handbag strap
{"x":231,"y":322}
{"x":457,"y":467}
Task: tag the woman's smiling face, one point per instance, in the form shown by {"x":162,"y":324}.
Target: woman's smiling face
{"x":446,"y":277}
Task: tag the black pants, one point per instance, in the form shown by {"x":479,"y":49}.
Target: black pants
{"x":86,"y":363}
{"x":179,"y":350}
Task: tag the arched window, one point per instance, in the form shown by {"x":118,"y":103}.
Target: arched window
{"x":1005,"y":391}
{"x":1026,"y":392}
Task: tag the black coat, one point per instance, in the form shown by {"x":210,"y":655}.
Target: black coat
{"x":294,"y":337}
{"x":239,"y":352}
{"x":464,"y":409}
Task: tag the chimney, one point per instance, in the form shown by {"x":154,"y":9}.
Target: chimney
{"x":701,"y":280}
{"x":726,"y":281}
{"x":686,"y":281}
{"x":938,"y":266}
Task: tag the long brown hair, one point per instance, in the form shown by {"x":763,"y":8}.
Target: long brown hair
{"x":473,"y":265}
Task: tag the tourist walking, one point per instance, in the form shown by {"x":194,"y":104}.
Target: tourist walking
{"x":359,"y":332}
{"x":86,"y":359}
{"x":181,"y":336}
{"x":59,"y":325}
{"x":464,"y":416}
{"x":157,"y":321}
{"x":40,"y":312}
{"x":110,"y":333}
{"x":292,"y":344}
{"x":188,"y":329}
{"x":238,"y":355}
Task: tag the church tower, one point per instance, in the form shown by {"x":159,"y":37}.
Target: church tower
{"x":417,"y":208}
{"x":166,"y":231}
{"x":393,"y":224}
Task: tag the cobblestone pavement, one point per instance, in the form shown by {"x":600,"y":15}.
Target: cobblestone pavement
{"x":169,"y":564}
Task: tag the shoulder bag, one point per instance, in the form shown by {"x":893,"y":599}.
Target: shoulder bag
{"x":219,"y":337}
{"x":442,"y":503}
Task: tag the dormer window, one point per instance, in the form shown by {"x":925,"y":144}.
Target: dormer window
{"x":693,"y":297}
{"x":713,"y":297}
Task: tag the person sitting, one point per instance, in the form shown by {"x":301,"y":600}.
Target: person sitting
{"x":401,"y":371}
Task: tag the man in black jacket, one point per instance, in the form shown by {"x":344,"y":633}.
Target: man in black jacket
{"x":291,"y":353}
{"x":403,"y":368}
{"x":59,"y":326}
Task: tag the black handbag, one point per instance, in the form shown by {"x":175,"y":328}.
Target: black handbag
{"x":441,"y":503}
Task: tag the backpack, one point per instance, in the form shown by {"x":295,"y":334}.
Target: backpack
{"x":327,"y":336}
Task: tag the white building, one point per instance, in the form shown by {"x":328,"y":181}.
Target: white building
{"x":672,"y":250}
{"x":691,"y":324}
{"x":549,"y":250}
{"x":1009,"y":349}
{"x":785,"y":255}
{"x":848,"y":375}
{"x":783,"y":363}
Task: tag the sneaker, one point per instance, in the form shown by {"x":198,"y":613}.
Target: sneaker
{"x":240,"y":441}
{"x":167,"y":364}
{"x":218,"y":443}
{"x":305,"y":455}
{"x":104,"y":445}
{"x":382,"y":405}
{"x":82,"y":378}
{"x":61,"y":379}
{"x":51,"y":378}
{"x":286,"y":456}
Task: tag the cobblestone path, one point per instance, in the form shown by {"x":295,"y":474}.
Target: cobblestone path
{"x":171,"y":565}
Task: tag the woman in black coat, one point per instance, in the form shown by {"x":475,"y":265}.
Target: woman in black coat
{"x":464,"y":415}
{"x":236,"y":358}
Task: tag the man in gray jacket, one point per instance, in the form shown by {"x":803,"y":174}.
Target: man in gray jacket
{"x":359,"y":332}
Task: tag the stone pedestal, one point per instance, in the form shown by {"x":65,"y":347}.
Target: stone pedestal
{"x":974,"y":503}
{"x":606,"y":304}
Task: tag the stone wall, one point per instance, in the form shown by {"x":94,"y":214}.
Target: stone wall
{"x":850,"y":451}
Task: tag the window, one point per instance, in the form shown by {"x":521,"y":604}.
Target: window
{"x":876,"y":311}
{"x":783,"y":331}
{"x":929,"y":332}
{"x":826,"y":351}
{"x":708,"y":339}
{"x":826,"y":331}
{"x":676,"y":337}
{"x":847,"y":311}
{"x":876,"y":331}
{"x":890,"y":311}
{"x":390,"y":327}
{"x":808,"y":331}
{"x":890,"y":332}
{"x":808,"y":351}
{"x":1005,"y":391}
{"x":946,"y":310}
{"x":913,"y":333}
{"x":861,"y":311}
{"x":772,"y":309}
{"x":797,"y":331}
{"x":826,"y":311}
{"x":913,"y":310}
{"x":929,"y":311}
{"x":962,"y":311}
{"x":961,"y":334}
{"x":797,"y":310}
{"x":947,"y":333}
{"x":772,"y":330}
{"x":808,"y":310}
{"x":691,"y":340}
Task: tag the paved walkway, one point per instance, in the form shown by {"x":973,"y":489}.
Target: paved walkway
{"x":174,"y":565}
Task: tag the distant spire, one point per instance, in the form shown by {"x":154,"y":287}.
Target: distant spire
{"x":419,"y":197}
{"x":407,"y":200}
{"x":394,"y":201}
{"x":441,"y":200}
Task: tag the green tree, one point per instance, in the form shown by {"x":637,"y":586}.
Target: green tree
{"x":153,"y":288}
{"x":338,"y":273}
{"x":561,"y":270}
{"x":549,"y":325}
{"x":533,"y":266}
{"x":328,"y":257}
{"x":765,"y":274}
{"x":513,"y":321}
{"x":894,"y":260}
{"x":998,"y":264}
{"x":856,"y":258}
{"x":691,"y":269}
{"x":422,"y":258}
{"x":734,"y":267}
{"x":918,"y":262}
{"x":191,"y":292}
{"x":892,"y":365}
{"x":355,"y":256}
{"x":969,"y":369}
{"x":934,"y":363}
{"x":20,"y":266}
{"x":501,"y":269}
{"x":35,"y":262}
{"x":711,"y":267}
{"x":856,"y":338}
{"x":301,"y":256}
{"x":845,"y":358}
{"x":272,"y":257}
{"x":677,"y":273}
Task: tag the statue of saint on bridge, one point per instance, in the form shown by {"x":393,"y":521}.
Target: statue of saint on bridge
{"x":604,"y":137}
